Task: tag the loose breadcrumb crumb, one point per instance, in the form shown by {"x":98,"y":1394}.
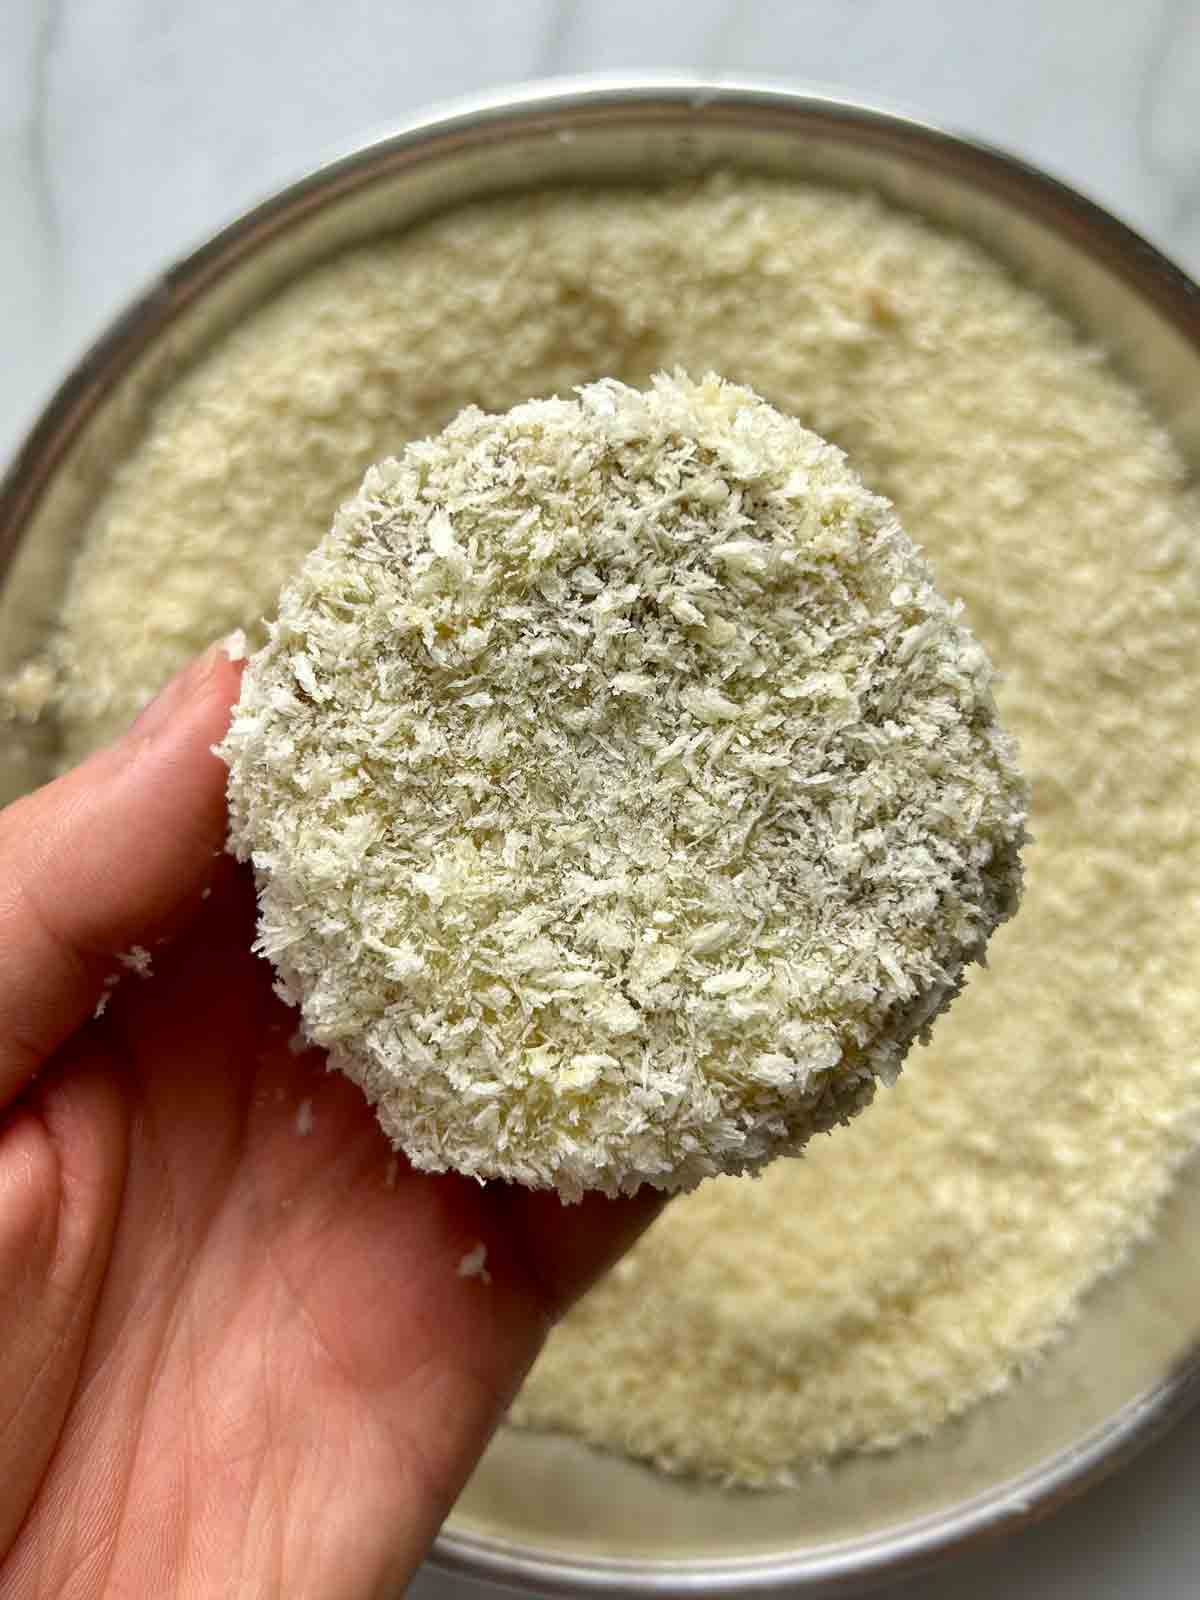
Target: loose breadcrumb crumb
{"x":106,"y":993}
{"x":624,"y":799}
{"x":304,"y":1119}
{"x":138,"y":960}
{"x":474,"y":1264}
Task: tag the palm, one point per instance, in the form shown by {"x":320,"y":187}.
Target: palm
{"x":284,"y":1368}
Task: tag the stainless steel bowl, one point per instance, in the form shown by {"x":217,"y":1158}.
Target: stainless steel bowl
{"x":542,"y":1512}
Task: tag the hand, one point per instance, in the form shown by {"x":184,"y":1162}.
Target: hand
{"x":236,"y":1354}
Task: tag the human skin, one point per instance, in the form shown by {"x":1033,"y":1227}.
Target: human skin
{"x":236,"y":1354}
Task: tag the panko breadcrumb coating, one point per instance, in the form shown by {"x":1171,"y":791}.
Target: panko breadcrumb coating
{"x":623,"y":797}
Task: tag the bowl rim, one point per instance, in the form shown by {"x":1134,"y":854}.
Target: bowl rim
{"x":546,"y":105}
{"x":549,"y":105}
{"x":855,"y":1565}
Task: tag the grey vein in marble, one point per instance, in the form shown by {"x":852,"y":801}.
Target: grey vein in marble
{"x":1161,"y":91}
{"x":560,"y":24}
{"x":47,"y":32}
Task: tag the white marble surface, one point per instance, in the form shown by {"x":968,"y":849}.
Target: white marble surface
{"x":128,"y":128}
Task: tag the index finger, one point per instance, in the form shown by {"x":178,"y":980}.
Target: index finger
{"x":103,"y":858}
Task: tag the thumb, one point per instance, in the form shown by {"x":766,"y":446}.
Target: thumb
{"x":103,"y":858}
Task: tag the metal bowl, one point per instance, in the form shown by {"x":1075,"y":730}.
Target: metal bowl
{"x":545,"y":1512}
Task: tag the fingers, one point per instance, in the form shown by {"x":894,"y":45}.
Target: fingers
{"x":61,"y":1157}
{"x":105,"y":858}
{"x":566,"y":1248}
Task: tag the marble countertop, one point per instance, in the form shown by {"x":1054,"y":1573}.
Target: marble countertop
{"x":130,"y":128}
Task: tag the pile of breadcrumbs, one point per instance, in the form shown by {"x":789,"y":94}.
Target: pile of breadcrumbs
{"x":913,"y":1263}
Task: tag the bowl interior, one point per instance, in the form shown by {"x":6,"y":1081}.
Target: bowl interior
{"x":546,"y":1509}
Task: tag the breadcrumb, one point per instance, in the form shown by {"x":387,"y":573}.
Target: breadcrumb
{"x":25,"y":696}
{"x":138,"y":960}
{"x":558,"y":672}
{"x":106,"y":993}
{"x":474,"y":1264}
{"x":304,"y":1119}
